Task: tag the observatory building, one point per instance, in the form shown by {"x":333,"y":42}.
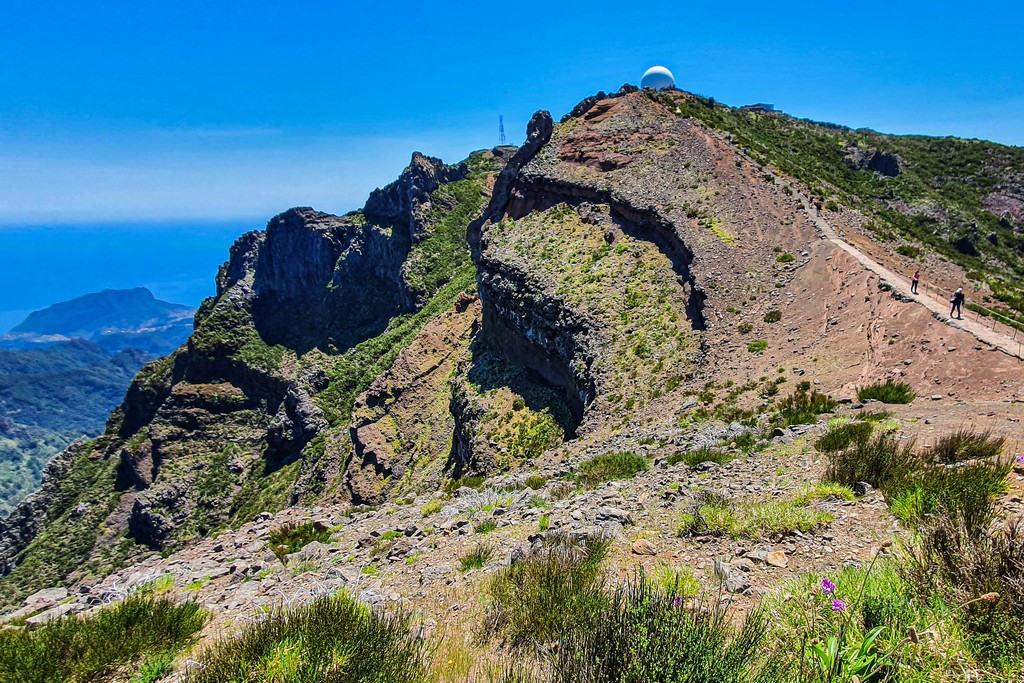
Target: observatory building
{"x":658,"y":78}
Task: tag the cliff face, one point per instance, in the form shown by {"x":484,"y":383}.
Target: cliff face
{"x":222,"y":428}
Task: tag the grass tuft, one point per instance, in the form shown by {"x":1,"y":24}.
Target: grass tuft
{"x":554,"y":587}
{"x":714,"y":515}
{"x":138,"y":633}
{"x":289,"y":538}
{"x":609,"y":466}
{"x":476,"y":558}
{"x":889,"y":392}
{"x":330,"y":639}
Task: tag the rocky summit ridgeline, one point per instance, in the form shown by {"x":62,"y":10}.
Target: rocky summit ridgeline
{"x":587,"y":293}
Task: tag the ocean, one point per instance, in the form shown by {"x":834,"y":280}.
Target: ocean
{"x":43,"y":265}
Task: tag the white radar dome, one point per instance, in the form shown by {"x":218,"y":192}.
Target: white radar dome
{"x":658,"y":78}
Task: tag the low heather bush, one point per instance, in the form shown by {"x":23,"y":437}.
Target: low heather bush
{"x":966,"y":444}
{"x":555,"y":586}
{"x":889,"y":392}
{"x":138,"y":633}
{"x":803,"y":407}
{"x":918,"y":485}
{"x":885,"y":462}
{"x":608,"y":466}
{"x":983,"y":572}
{"x":332,"y":639}
{"x":838,"y":438}
{"x":644,"y":633}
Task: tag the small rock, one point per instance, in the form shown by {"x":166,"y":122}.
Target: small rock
{"x":743,"y":564}
{"x":610,"y":514}
{"x":644,"y":547}
{"x":733,"y":581}
{"x":47,"y":596}
{"x":862,"y":488}
{"x":936,"y":397}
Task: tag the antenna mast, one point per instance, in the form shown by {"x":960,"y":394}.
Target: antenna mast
{"x":501,"y":130}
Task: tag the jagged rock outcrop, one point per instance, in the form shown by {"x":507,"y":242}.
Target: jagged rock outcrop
{"x":883,"y":163}
{"x":23,"y":524}
{"x":407,"y":200}
{"x":325,"y":280}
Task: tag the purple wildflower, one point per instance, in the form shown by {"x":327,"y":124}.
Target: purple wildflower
{"x":827,"y":586}
{"x":838,"y":605}
{"x":677,"y":602}
{"x":1020,"y":457}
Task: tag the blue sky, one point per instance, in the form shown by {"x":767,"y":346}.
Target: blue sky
{"x":157,"y":111}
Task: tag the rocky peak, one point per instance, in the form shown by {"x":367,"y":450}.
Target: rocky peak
{"x":407,"y":200}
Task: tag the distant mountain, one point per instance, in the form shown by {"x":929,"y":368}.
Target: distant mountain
{"x":114,"y":319}
{"x":66,"y":367}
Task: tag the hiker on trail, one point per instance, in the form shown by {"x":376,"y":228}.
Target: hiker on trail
{"x":913,"y":282}
{"x":957,"y":303}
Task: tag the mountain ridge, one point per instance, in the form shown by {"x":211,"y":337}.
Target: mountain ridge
{"x":619,"y":259}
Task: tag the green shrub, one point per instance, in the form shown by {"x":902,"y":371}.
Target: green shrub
{"x":785,"y":258}
{"x":966,"y":444}
{"x":289,"y":538}
{"x":609,"y":466}
{"x":535,"y":482}
{"x":885,"y":461}
{"x":889,"y":392}
{"x":330,"y":639}
{"x":553,"y":588}
{"x":137,"y":633}
{"x":757,"y":346}
{"x":485,"y":527}
{"x":966,"y":491}
{"x":695,"y":457}
{"x":473,"y":482}
{"x":647,"y":634}
{"x":917,"y":486}
{"x":802,"y":407}
{"x":981,"y":570}
{"x":477,"y":558}
{"x":838,"y":438}
{"x":744,"y":328}
{"x":432,"y":507}
{"x":773,"y":316}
